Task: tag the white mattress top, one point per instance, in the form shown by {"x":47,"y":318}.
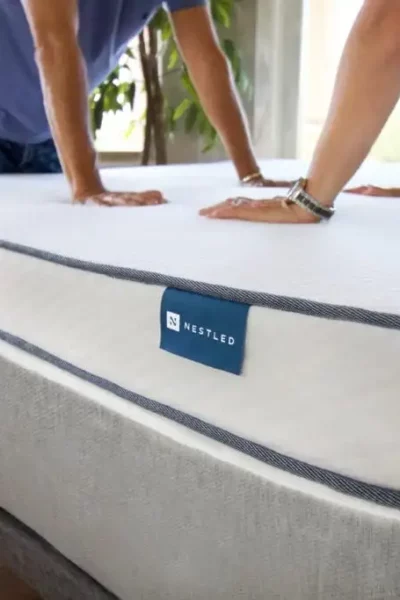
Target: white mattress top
{"x":352,"y":261}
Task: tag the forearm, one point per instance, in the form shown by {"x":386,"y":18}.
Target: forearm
{"x":63,"y":77}
{"x":218,"y":95}
{"x":366,"y":91}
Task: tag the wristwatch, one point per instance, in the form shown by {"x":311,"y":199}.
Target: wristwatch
{"x":298,"y":195}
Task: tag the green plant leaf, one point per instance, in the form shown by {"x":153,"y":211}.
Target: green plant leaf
{"x":222,"y":12}
{"x":130,"y":130}
{"x":181,"y":109}
{"x":188,"y":85}
{"x":234,"y":58}
{"x":212,"y":140}
{"x":191,"y":117}
{"x":173,"y":58}
{"x":160,"y":20}
{"x":222,"y":16}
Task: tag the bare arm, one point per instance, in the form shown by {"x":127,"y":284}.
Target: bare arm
{"x":211,"y":76}
{"x":366,"y":91}
{"x":54,"y":28}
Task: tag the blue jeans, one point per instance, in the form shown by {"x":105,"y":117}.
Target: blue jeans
{"x":29,"y":158}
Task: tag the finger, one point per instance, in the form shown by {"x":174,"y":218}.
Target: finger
{"x":152,"y":195}
{"x":276,"y":183}
{"x":153,"y":202}
{"x":374,"y":191}
{"x":362,"y":190}
{"x":113,"y":200}
{"x":145,"y":198}
{"x":209,"y":209}
{"x":123,"y":200}
{"x":128,"y":200}
{"x":245,"y":213}
{"x":382,"y":192}
{"x":275,"y":213}
{"x":105,"y":200}
{"x":131,"y":199}
{"x":156,"y":201}
{"x":241,"y":213}
{"x":371,"y":190}
{"x":149,"y":202}
{"x":231,"y":202}
{"x":267,"y":203}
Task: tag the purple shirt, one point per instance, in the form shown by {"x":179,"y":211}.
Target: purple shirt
{"x":105,"y":29}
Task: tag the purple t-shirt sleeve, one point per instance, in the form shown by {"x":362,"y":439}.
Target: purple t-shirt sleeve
{"x":174,"y":5}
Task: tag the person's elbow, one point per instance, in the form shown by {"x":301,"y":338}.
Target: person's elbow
{"x":216,"y":57}
{"x":379,"y":27}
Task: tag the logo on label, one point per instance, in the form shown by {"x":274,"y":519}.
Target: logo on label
{"x":174,"y":324}
{"x":173,"y":321}
{"x":207,"y":330}
{"x":210,"y":334}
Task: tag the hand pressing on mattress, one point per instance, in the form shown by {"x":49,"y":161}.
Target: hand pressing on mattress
{"x":373,"y":190}
{"x":63,"y":74}
{"x":105,"y":198}
{"x":277,"y":210}
{"x":366,"y":91}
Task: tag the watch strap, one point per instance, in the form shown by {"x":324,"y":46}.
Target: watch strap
{"x":299,"y":196}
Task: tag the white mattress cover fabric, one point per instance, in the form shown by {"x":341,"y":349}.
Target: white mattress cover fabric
{"x":322,"y":391}
{"x":353,"y":261}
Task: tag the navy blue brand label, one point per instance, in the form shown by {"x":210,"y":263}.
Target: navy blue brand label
{"x":204,"y":329}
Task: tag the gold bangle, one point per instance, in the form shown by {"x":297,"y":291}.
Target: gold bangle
{"x":251,"y":177}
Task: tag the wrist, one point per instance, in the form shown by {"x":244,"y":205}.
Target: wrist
{"x":302,"y":198}
{"x":249,"y":174}
{"x":84,"y":187}
{"x":245,"y":169}
{"x":318,"y":191}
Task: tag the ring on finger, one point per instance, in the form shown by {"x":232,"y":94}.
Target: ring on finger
{"x":240,"y":200}
{"x":286,"y":203}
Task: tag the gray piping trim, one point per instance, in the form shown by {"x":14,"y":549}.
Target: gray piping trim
{"x":346,"y":485}
{"x":282,"y":303}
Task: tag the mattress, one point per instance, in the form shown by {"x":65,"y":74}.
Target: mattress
{"x":167,"y":474}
